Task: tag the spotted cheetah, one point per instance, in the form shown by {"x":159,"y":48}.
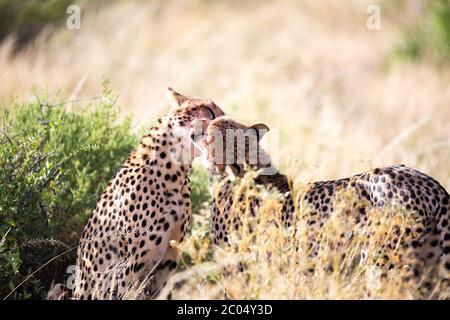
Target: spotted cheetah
{"x":131,"y":236}
{"x":206,"y":135}
{"x":416,"y":192}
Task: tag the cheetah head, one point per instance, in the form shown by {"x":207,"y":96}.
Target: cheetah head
{"x":184,"y":110}
{"x":228,"y":146}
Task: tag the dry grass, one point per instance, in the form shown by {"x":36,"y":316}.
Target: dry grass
{"x":311,"y":70}
{"x":277,"y":263}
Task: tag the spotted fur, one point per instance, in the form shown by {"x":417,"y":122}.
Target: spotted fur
{"x":131,"y":236}
{"x":421,"y":195}
{"x":227,"y":200}
{"x":418,"y":193}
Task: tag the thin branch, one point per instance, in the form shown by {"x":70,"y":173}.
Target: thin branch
{"x":7,"y":137}
{"x":4,"y":237}
{"x":34,"y":272}
{"x":52,"y":176}
{"x":69,"y":101}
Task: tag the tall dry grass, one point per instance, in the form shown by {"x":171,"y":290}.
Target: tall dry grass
{"x":311,"y":70}
{"x":351,"y":260}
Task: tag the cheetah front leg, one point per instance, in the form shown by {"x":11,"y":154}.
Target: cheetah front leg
{"x":144,"y":279}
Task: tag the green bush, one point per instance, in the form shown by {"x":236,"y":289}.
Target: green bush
{"x":198,"y":181}
{"x":430,"y":37}
{"x":53,"y":166}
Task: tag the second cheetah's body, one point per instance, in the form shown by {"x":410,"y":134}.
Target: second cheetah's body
{"x":416,"y":192}
{"x":127,"y":240}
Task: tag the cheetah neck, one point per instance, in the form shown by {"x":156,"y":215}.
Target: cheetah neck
{"x":268,"y":173}
{"x":278,"y":180}
{"x":269,"y":177}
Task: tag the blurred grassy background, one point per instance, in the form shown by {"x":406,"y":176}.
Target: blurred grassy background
{"x":343,"y":98}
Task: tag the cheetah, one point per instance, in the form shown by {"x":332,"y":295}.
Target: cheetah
{"x":130,"y":238}
{"x":417,"y":192}
{"x":206,"y":135}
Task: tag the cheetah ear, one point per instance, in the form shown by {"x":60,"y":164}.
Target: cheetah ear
{"x":261,"y":129}
{"x":232,"y":171}
{"x":174,"y":98}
